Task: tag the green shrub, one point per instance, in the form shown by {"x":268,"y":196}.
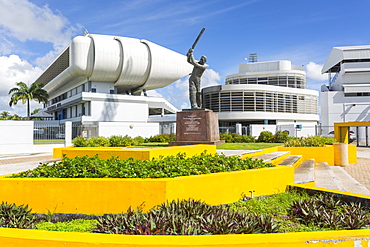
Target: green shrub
{"x":98,"y":141}
{"x":311,"y":141}
{"x":80,"y":141}
{"x":113,"y":141}
{"x":186,"y":217}
{"x":236,"y":138}
{"x":281,"y":136}
{"x":79,"y":225}
{"x":163,"y":167}
{"x":14,"y":216}
{"x":121,"y":141}
{"x":162,"y":138}
{"x":139,"y":140}
{"x":265,"y":136}
{"x":227,"y":137}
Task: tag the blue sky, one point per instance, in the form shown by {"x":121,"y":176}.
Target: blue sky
{"x":33,"y":32}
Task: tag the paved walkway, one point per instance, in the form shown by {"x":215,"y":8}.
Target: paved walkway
{"x":361,"y":170}
{"x":13,"y":163}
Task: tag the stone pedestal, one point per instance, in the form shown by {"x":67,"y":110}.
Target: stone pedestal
{"x":197,"y":127}
{"x":340,"y":154}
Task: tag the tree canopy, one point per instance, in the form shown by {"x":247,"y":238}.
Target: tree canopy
{"x":26,"y":94}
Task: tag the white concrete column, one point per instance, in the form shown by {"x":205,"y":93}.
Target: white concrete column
{"x":238,"y":129}
{"x":68,"y":134}
{"x":340,"y":154}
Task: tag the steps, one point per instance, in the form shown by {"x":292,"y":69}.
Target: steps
{"x":307,"y":171}
{"x":328,"y":177}
{"x":325,"y":177}
{"x":349,"y":183}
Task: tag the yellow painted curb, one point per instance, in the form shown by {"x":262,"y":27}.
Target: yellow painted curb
{"x":37,"y":238}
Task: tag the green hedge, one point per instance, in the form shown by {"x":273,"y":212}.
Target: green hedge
{"x":163,"y":167}
{"x":311,"y":141}
{"x":113,"y":141}
{"x":265,"y":136}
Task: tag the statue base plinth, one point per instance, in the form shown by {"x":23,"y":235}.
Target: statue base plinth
{"x":197,"y":126}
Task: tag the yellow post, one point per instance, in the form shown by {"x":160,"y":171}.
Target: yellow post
{"x":341,"y":133}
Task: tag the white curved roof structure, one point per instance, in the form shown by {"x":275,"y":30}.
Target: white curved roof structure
{"x":132,"y":64}
{"x":339,"y":54}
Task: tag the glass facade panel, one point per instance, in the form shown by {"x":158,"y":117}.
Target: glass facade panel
{"x":260,"y":101}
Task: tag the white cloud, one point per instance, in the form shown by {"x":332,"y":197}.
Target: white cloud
{"x":5,"y":46}
{"x":154,"y":93}
{"x":21,"y":20}
{"x":313,"y":71}
{"x":185,"y":105}
{"x":24,"y":21}
{"x":49,"y":57}
{"x":13,"y":69}
{"x":210,"y":78}
{"x":178,"y":92}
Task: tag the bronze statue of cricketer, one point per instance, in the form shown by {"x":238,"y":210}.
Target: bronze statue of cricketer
{"x":195,"y":95}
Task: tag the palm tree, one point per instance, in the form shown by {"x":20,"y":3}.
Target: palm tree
{"x":5,"y":115}
{"x":25,"y":93}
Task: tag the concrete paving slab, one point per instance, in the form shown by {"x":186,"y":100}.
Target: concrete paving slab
{"x":305,"y":172}
{"x":20,"y":167}
{"x":349,"y":183}
{"x":325,"y":177}
{"x":228,"y":152}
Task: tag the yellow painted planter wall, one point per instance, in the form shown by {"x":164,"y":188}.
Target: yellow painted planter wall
{"x":37,"y":238}
{"x":104,"y":195}
{"x":321,"y":154}
{"x":139,"y":153}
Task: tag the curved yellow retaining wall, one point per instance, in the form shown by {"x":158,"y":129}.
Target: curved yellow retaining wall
{"x":321,"y":154}
{"x":99,"y":196}
{"x":136,"y":153}
{"x":37,"y":238}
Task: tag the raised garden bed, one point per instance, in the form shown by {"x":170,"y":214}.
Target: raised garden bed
{"x":100,"y":195}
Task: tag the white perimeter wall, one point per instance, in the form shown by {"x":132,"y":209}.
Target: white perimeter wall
{"x":308,"y":129}
{"x":132,"y":129}
{"x":16,"y":137}
{"x":256,"y":129}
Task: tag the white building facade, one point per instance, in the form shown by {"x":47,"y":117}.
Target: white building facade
{"x":102,"y":80}
{"x":346,"y":98}
{"x":266,"y":93}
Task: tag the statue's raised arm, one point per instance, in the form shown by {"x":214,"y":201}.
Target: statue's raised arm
{"x":195,"y":95}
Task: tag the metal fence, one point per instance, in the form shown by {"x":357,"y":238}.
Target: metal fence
{"x":84,"y":130}
{"x":44,"y":133}
{"x":48,"y":133}
{"x":227,"y":130}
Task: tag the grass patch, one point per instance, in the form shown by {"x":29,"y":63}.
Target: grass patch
{"x":79,"y":225}
{"x":151,"y":145}
{"x":248,"y":146}
{"x":48,"y":141}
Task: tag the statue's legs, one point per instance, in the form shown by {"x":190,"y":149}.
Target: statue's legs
{"x":199,"y":99}
{"x":193,"y":94}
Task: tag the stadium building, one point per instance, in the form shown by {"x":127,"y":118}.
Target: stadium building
{"x":102,"y":79}
{"x":270,"y":94}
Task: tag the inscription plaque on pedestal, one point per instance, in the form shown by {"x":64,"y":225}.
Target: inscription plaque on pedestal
{"x":197,"y":127}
